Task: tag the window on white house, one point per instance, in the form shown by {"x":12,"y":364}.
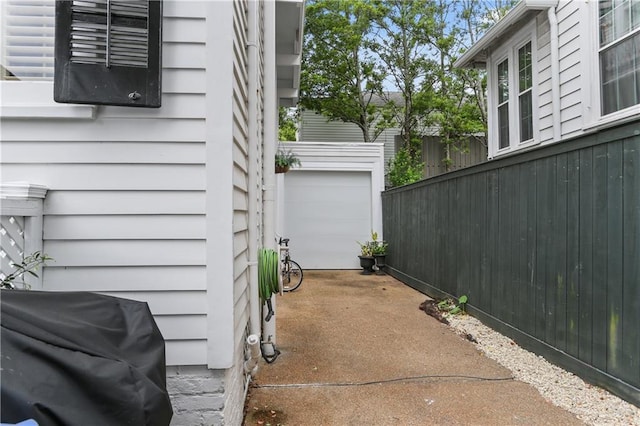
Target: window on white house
{"x":503,"y":104}
{"x":619,"y":54}
{"x":525,"y":98}
{"x":27,"y":39}
{"x":512,"y":86}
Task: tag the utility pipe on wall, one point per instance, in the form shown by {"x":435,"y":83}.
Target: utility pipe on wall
{"x":251,"y":364}
{"x":269,"y":151}
{"x":253,"y":190}
{"x":555,"y":73}
{"x":270,"y":125}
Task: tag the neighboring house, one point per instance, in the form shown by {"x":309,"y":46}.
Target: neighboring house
{"x":559,"y":69}
{"x":165,"y":205}
{"x":314,"y":127}
{"x":548,"y":229}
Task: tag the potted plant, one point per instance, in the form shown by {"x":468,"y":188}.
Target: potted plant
{"x":285,"y":160}
{"x":379,"y":250}
{"x":367,"y":261}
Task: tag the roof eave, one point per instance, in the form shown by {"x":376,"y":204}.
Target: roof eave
{"x":289,"y":24}
{"x":476,"y":56}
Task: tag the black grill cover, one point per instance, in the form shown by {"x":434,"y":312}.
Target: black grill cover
{"x":79,"y":358}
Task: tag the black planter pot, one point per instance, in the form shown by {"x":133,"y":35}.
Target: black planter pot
{"x":367,"y":263}
{"x":381,"y":260}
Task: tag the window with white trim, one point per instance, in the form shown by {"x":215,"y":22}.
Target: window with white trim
{"x":503,"y":104}
{"x":619,"y":51}
{"x":512,"y":94}
{"x":525,"y":89}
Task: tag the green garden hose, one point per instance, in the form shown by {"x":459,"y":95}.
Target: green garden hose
{"x":267,"y":277}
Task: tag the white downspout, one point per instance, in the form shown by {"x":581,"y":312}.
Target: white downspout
{"x":555,"y":73}
{"x":269,"y":151}
{"x":251,"y":364}
{"x":253,"y":194}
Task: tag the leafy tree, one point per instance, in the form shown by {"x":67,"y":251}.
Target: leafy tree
{"x":339,"y":77}
{"x":401,"y":44}
{"x":456,"y":115}
{"x":403,"y":169}
{"x":287,"y":128}
{"x":474,"y":18}
{"x":378,"y":63}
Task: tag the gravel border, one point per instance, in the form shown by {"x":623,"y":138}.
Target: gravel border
{"x":591,"y":404}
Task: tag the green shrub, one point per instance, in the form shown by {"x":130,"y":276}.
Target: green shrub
{"x":403,"y":169}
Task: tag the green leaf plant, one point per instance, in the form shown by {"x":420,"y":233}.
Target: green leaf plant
{"x":29,"y":265}
{"x":453,"y":307}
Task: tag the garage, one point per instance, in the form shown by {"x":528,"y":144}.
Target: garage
{"x":331,"y":202}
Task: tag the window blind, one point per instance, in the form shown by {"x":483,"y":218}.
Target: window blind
{"x":27,"y":39}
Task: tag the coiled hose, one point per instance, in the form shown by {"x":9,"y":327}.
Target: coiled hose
{"x":267,"y":277}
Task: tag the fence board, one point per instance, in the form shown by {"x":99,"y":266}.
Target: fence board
{"x":474,"y":151}
{"x":586,"y":255}
{"x":631,"y":265}
{"x":503,"y":261}
{"x":545,"y":243}
{"x":599,"y":260}
{"x":514,"y":288}
{"x":493,"y":227}
{"x":477,"y":214}
{"x":519,"y":266}
{"x":614,"y":262}
{"x":560,"y":253}
{"x":545,"y":197}
{"x":573,"y":253}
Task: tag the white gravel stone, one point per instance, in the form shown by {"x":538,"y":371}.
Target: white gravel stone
{"x":591,"y":404}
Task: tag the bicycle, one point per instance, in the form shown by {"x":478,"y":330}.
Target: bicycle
{"x":290,"y":271}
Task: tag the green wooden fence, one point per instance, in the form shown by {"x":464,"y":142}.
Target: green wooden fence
{"x":546,"y":245}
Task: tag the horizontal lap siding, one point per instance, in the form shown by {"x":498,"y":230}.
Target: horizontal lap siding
{"x":545,"y":243}
{"x":545,"y":107}
{"x":315,"y":127}
{"x":569,"y":52}
{"x":125,"y":211}
{"x":240,"y":153}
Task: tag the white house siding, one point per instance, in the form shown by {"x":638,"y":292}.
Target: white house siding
{"x":570,"y":41}
{"x":154,"y":204}
{"x":241,"y":201}
{"x":240,"y":171}
{"x":545,"y":98}
{"x":125,"y":211}
{"x":315,"y":128}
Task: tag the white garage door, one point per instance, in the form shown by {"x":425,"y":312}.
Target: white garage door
{"x":326,"y":213}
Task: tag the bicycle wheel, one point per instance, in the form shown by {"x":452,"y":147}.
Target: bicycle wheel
{"x":291,"y":276}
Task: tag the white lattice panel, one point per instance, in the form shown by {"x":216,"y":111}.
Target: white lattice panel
{"x":11,"y":243}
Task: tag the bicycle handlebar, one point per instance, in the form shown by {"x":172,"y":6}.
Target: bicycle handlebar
{"x":284,"y":241}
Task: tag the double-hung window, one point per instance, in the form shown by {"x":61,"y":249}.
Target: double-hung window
{"x":512,"y":94}
{"x":619,"y":50}
{"x":503,"y":104}
{"x":525,"y":89}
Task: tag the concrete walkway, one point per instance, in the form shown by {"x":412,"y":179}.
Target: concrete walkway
{"x":356,"y":350}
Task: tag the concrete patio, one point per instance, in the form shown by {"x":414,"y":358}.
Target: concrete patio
{"x":356,"y":349}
